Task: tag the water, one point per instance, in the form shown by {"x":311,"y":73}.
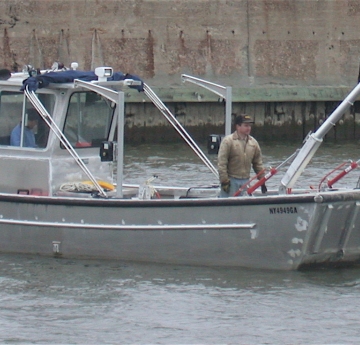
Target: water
{"x":178,"y":165}
{"x":61,"y":301}
{"x":45,"y":300}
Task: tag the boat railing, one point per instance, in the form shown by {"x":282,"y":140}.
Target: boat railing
{"x":179,"y":128}
{"x":225,"y":92}
{"x":351,"y":165}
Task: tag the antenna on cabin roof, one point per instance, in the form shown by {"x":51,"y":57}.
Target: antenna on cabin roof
{"x":55,"y":66}
{"x":58,"y":66}
{"x":30,"y":70}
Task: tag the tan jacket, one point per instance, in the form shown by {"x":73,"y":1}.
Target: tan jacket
{"x":236,"y":156}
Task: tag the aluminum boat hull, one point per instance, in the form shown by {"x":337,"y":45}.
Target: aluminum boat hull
{"x":286,"y":232}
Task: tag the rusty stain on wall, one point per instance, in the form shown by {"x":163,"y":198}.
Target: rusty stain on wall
{"x":8,"y":54}
{"x":97,"y":57}
{"x":150,"y":55}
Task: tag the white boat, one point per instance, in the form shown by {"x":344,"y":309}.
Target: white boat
{"x":63,"y":198}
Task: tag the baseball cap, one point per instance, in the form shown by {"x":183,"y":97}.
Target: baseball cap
{"x":243,"y":119}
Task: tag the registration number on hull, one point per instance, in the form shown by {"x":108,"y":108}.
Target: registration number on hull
{"x":281,"y":210}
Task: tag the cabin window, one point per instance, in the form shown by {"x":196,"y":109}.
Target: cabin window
{"x":15,"y":111}
{"x":88,"y":119}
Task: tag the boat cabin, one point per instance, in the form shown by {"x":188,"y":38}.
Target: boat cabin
{"x":42,"y":165}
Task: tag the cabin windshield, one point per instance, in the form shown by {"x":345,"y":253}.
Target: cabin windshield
{"x":88,"y":119}
{"x":15,"y":111}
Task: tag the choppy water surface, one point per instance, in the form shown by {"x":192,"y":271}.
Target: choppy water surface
{"x":178,"y":164}
{"x":61,"y":301}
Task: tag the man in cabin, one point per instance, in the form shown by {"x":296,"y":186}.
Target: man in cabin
{"x":237,"y":153}
{"x":29,"y":135}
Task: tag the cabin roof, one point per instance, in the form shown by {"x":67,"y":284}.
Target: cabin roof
{"x":66,"y":78}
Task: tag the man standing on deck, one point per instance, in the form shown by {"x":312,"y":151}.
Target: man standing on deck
{"x":237,"y":153}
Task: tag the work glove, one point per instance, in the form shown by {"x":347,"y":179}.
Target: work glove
{"x":225,"y":186}
{"x":263,"y":188}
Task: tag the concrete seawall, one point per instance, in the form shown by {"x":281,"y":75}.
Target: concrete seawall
{"x":274,"y":121}
{"x":289,"y":62}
